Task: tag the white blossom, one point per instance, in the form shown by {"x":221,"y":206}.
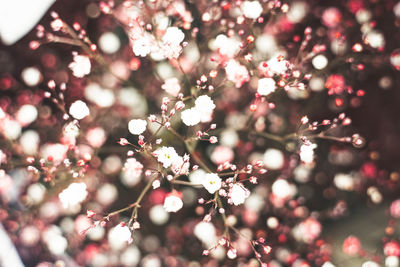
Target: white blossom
{"x":137,"y":127}
{"x":190,"y":117}
{"x":143,"y":46}
{"x":173,"y":202}
{"x":282,"y":189}
{"x":31,"y":76}
{"x":344,"y":181}
{"x":227,"y":46}
{"x":80,"y":66}
{"x":236,"y":73}
{"x":197,"y":176}
{"x":277,"y":66}
{"x":74,"y":194}
{"x":273,"y":159}
{"x":119,"y":237}
{"x":173,"y":35}
{"x":307,"y":152}
{"x":172,"y":39}
{"x":204,"y":103}
{"x":131,"y":172}
{"x":375,"y":39}
{"x":79,"y":110}
{"x":238,"y":194}
{"x":55,"y":242}
{"x":172,"y":86}
{"x":180,"y":166}
{"x":167,"y":156}
{"x":251,"y":9}
{"x":370,"y":264}
{"x":266,"y":86}
{"x":205,"y":106}
{"x":212,"y":182}
{"x":206,"y":233}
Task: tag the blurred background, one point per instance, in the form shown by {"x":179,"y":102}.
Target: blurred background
{"x":375,"y":115}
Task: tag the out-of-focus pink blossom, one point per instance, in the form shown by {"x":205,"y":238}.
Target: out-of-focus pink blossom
{"x":236,"y":73}
{"x":395,"y":209}
{"x":331,"y":17}
{"x":172,"y":86}
{"x":351,"y":245}
{"x":222,"y":154}
{"x":335,"y":84}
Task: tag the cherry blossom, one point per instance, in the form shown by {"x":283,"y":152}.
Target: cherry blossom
{"x":226,"y":46}
{"x":212,"y":182}
{"x":172,"y":86}
{"x":205,"y":106}
{"x":79,"y":110}
{"x":74,"y":194}
{"x":119,"y":236}
{"x":107,"y":157}
{"x":236,"y":73}
{"x":251,"y":9}
{"x":191,"y":116}
{"x":80,"y":66}
{"x":173,"y":202}
{"x":167,"y":156}
{"x":137,"y":126}
{"x":266,"y":86}
{"x":143,"y":45}
{"x":238,"y":194}
{"x":132,"y":172}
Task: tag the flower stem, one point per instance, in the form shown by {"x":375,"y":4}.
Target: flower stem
{"x":139,"y":199}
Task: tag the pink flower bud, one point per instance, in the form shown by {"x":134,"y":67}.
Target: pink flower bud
{"x":165,"y":100}
{"x":253,"y":180}
{"x":152,"y":118}
{"x":304,"y":120}
{"x":262,"y":171}
{"x":136,"y":225}
{"x":123,"y":142}
{"x":90,"y":213}
{"x":179,"y":105}
{"x":213,"y":139}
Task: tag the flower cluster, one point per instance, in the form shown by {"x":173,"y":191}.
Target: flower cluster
{"x":213,"y":130}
